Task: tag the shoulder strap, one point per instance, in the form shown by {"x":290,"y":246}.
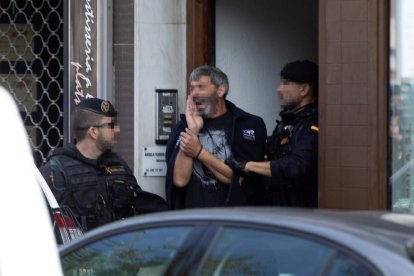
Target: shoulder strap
{"x":55,"y":163}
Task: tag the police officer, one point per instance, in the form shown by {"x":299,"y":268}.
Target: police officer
{"x":292,"y":150}
{"x":94,"y":182}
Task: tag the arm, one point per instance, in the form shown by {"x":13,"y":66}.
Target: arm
{"x":262,"y":168}
{"x":56,"y":181}
{"x":217,"y":166}
{"x":183,"y":168}
{"x":297,"y":164}
{"x":300,"y":162}
{"x":189,"y":149}
{"x":244,"y":168}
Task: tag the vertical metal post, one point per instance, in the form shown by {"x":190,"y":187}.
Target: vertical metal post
{"x":66,"y":115}
{"x":105,"y":50}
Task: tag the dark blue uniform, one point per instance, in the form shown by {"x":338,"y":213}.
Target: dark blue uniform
{"x":97,"y":191}
{"x":293,"y":153}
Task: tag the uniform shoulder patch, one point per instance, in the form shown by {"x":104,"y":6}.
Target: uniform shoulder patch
{"x":114,"y":169}
{"x":284,"y":141}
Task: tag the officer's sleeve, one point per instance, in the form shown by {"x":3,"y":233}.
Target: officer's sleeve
{"x":302,"y":160}
{"x":56,"y":181}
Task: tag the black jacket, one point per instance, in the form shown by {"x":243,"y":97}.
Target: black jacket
{"x":242,"y":146}
{"x":293,"y":151}
{"x":97,"y":191}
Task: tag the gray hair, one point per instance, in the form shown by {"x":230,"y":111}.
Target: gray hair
{"x":217,"y":77}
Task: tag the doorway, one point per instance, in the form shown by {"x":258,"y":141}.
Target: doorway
{"x":251,"y":41}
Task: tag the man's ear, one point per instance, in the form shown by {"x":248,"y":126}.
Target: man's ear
{"x":221,"y":91}
{"x":93,"y":132}
{"x":305,"y":90}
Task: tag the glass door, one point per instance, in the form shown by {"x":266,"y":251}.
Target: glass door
{"x":401,"y":105}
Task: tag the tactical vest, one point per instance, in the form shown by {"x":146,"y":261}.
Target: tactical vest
{"x":96,"y":195}
{"x":284,"y":136}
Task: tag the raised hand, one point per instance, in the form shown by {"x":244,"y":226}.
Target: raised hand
{"x":194,"y":121}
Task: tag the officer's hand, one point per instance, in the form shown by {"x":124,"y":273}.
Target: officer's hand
{"x":237,"y":165}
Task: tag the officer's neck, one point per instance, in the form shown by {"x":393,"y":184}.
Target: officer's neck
{"x":88,"y":149}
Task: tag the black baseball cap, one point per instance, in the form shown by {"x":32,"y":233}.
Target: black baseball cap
{"x":300,"y":71}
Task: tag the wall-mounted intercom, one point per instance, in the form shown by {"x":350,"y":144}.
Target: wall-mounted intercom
{"x":166,"y":101}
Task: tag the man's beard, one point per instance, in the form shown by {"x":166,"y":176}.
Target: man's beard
{"x":210,"y":106}
{"x":292,"y":105}
{"x":104,"y":145}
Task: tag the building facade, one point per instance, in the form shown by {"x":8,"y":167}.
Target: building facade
{"x":153,"y":45}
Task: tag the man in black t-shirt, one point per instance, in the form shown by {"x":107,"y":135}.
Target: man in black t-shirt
{"x":212,"y":130}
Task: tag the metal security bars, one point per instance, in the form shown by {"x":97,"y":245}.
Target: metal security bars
{"x":32,"y":68}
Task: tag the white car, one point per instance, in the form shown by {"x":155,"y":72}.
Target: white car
{"x":27,"y":243}
{"x":65,"y":226}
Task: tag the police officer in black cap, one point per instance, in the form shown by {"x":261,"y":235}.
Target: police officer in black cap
{"x":292,"y":150}
{"x":94,"y":182}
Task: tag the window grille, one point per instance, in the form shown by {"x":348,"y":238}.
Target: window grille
{"x":32,"y":68}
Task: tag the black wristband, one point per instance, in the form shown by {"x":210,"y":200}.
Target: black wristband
{"x":198,"y":154}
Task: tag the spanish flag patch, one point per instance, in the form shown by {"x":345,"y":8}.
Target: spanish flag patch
{"x":314,"y":128}
{"x":284,"y":141}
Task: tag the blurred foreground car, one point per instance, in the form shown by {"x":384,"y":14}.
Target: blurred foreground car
{"x":247,"y":241}
{"x":27,"y":244}
{"x":65,"y":225}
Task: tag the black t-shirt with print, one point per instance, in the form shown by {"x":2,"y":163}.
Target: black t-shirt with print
{"x":204,"y":190}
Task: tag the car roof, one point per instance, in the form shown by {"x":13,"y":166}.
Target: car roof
{"x":390,"y":230}
{"x":366,"y":221}
{"x":382,"y":238}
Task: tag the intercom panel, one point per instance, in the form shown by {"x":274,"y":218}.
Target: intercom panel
{"x":166,"y":115}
